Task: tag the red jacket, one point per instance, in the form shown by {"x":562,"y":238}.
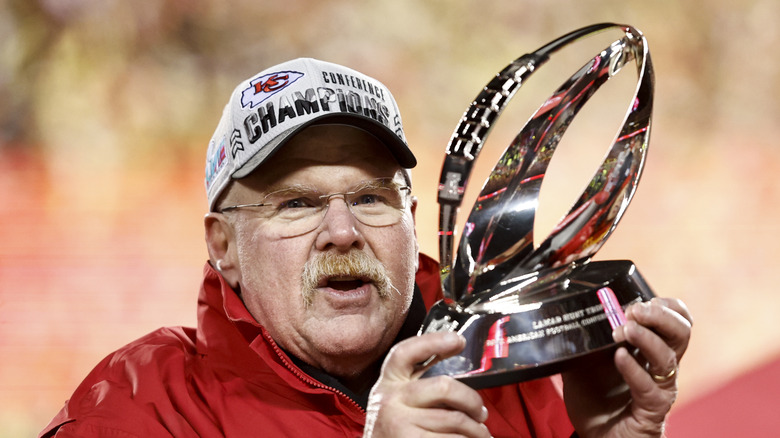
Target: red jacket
{"x":229,"y":378}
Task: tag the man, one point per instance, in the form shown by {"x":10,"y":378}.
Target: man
{"x":314,"y":292}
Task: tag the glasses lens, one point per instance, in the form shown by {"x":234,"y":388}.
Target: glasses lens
{"x":377,"y":206}
{"x":294,"y":212}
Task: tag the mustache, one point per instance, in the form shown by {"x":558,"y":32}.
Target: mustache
{"x":355,"y":264}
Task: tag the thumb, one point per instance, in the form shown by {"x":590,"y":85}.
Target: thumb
{"x":402,"y":363}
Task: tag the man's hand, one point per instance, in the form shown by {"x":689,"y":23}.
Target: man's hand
{"x":403,"y":405}
{"x":631,"y":393}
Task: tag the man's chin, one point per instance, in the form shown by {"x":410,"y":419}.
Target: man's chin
{"x":352,"y":335}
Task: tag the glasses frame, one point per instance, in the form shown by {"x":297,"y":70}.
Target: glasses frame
{"x":404,"y":191}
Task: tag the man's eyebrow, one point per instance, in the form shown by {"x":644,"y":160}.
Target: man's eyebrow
{"x":376,"y":183}
{"x":290,"y":189}
{"x":302,"y":189}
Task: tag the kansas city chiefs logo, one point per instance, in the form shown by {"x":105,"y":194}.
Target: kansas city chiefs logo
{"x":263,"y":87}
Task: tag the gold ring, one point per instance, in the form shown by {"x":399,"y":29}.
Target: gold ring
{"x":666,"y":378}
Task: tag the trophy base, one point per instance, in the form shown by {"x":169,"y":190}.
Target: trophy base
{"x":538,"y":324}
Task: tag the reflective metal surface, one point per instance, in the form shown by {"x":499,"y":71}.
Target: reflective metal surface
{"x":537,"y":325}
{"x":498,"y":281}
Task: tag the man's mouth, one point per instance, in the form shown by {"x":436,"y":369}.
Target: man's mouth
{"x":344,"y":279}
{"x":343,"y":283}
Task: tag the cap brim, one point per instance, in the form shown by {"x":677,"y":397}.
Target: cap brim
{"x":397,"y":147}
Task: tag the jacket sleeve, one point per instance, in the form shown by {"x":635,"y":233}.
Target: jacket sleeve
{"x":84,"y":428}
{"x":137,"y":391}
{"x":105,"y":409}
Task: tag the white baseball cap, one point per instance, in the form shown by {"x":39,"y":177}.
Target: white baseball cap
{"x":271,"y":107}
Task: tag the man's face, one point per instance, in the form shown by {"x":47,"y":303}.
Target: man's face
{"x":343,"y":324}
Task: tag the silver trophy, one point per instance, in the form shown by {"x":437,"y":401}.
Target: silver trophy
{"x":527,"y":311}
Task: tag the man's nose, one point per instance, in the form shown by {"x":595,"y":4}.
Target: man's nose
{"x":340,"y":228}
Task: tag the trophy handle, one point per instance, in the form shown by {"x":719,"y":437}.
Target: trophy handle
{"x":497,"y":242}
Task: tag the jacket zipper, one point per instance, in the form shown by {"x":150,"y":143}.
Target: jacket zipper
{"x":308,"y":380}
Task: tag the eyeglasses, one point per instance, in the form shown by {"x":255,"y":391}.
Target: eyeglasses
{"x":298,"y":210}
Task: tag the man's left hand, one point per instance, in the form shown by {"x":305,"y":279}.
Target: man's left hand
{"x":631,"y":393}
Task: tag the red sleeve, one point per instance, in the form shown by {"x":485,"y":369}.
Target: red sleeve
{"x":136,"y":391}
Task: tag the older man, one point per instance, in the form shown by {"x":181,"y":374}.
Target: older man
{"x":314,"y":292}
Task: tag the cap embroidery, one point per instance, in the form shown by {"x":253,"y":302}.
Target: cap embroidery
{"x":215,"y":162}
{"x":263,"y":87}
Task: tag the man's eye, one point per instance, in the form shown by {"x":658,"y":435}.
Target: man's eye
{"x":295,"y":203}
{"x":368,"y":199}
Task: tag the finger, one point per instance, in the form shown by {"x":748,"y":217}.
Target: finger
{"x":670,"y":325}
{"x":677,"y":305}
{"x":649,"y":399}
{"x":446,"y":392}
{"x":456,"y":423}
{"x":386,"y":418}
{"x":660,"y":358}
{"x":402,"y":359}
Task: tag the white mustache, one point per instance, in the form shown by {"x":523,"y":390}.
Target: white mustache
{"x":355,"y":263}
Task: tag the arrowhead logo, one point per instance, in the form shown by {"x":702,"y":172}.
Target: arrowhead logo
{"x":235,"y":143}
{"x":263,"y":87}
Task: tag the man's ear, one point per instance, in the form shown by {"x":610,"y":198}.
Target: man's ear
{"x":221,"y":245}
{"x":416,"y":242}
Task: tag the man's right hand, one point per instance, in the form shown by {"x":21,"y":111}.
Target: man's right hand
{"x":403,"y":405}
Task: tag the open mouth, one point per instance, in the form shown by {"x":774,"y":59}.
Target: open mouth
{"x":343,"y":283}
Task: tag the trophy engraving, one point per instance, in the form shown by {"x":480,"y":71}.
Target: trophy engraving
{"x":527,"y":311}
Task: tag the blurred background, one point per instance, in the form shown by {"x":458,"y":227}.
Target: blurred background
{"x":107,"y":107}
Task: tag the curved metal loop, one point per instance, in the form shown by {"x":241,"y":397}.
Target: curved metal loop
{"x":497,"y":242}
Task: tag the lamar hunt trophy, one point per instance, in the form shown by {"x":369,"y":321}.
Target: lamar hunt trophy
{"x":529,"y":312}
